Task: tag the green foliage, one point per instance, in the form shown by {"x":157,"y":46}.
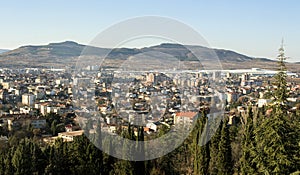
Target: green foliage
{"x":277,"y":146}
{"x":281,"y":94}
{"x":248,"y":143}
{"x":26,"y":158}
{"x":276,"y":138}
{"x":199,"y":147}
{"x":224,"y":159}
{"x":214,"y":149}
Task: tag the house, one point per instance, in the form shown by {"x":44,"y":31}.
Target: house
{"x":263,"y":102}
{"x":185,"y":118}
{"x":232,"y":97}
{"x":232,"y":120}
{"x":38,"y":123}
{"x":28,"y":99}
{"x":69,"y":127}
{"x":19,"y":120}
{"x":69,"y":136}
{"x":153,"y":126}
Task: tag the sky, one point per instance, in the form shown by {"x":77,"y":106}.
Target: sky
{"x":254,"y":28}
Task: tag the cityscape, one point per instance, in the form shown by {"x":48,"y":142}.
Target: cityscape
{"x":160,"y":88}
{"x":59,"y":104}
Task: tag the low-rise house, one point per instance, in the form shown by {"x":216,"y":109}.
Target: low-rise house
{"x":263,"y":102}
{"x":69,"y":127}
{"x":231,"y":97}
{"x":25,"y":110}
{"x":153,"y":126}
{"x":69,"y":136}
{"x":19,"y":120}
{"x":185,"y":118}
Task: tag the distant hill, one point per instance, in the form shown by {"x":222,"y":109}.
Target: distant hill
{"x":3,"y":50}
{"x":64,"y":49}
{"x":66,"y":54}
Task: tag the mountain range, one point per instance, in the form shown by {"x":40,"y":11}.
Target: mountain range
{"x":3,"y":50}
{"x":66,"y":54}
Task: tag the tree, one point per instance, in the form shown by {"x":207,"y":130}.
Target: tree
{"x":96,"y":156}
{"x":224,"y":157}
{"x":9,"y":169}
{"x":53,"y":128}
{"x":59,"y":160}
{"x":277,"y":137}
{"x":248,"y":143}
{"x":108,"y":160}
{"x":277,"y":146}
{"x":280,"y":94}
{"x":22,"y":160}
{"x":37,"y":157}
{"x":214,"y":148}
{"x":139,"y":166}
{"x":199,"y":147}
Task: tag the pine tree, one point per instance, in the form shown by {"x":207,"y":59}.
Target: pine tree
{"x":199,"y":147}
{"x":139,"y":166}
{"x":280,"y":94}
{"x":58,"y":159}
{"x":21,"y":160}
{"x":247,"y":143}
{"x":53,"y":128}
{"x":123,"y":167}
{"x":108,"y":160}
{"x":277,"y":137}
{"x":95,"y":154}
{"x":38,"y":159}
{"x":224,"y":159}
{"x":50,"y":168}
{"x":9,"y":169}
{"x":214,"y":148}
{"x":2,"y":164}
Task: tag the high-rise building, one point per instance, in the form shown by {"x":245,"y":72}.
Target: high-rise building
{"x":150,"y":77}
{"x":28,"y":99}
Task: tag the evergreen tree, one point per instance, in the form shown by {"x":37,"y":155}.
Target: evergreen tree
{"x":214,"y":148}
{"x":280,"y":94}
{"x":123,"y":167}
{"x":139,"y":166}
{"x":53,"y":128}
{"x":9,"y":169}
{"x":247,"y":143}
{"x":22,"y":160}
{"x":277,"y":137}
{"x":58,"y":159}
{"x":199,"y":147}
{"x":38,"y":159}
{"x":108,"y":161}
{"x":224,"y":159}
{"x":2,"y":164}
{"x":96,"y":155}
{"x":50,"y":168}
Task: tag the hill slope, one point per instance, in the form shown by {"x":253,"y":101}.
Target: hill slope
{"x":3,"y":50}
{"x":66,"y":54}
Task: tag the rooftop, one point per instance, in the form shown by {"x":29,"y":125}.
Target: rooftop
{"x":186,"y":114}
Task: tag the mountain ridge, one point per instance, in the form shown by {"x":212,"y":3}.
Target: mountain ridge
{"x":66,"y":53}
{"x":3,"y":50}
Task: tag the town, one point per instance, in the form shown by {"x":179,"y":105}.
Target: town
{"x":55,"y":103}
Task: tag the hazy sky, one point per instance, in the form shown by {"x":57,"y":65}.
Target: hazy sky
{"x":253,"y":27}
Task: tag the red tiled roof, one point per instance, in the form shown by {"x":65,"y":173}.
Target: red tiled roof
{"x":186,"y":114}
